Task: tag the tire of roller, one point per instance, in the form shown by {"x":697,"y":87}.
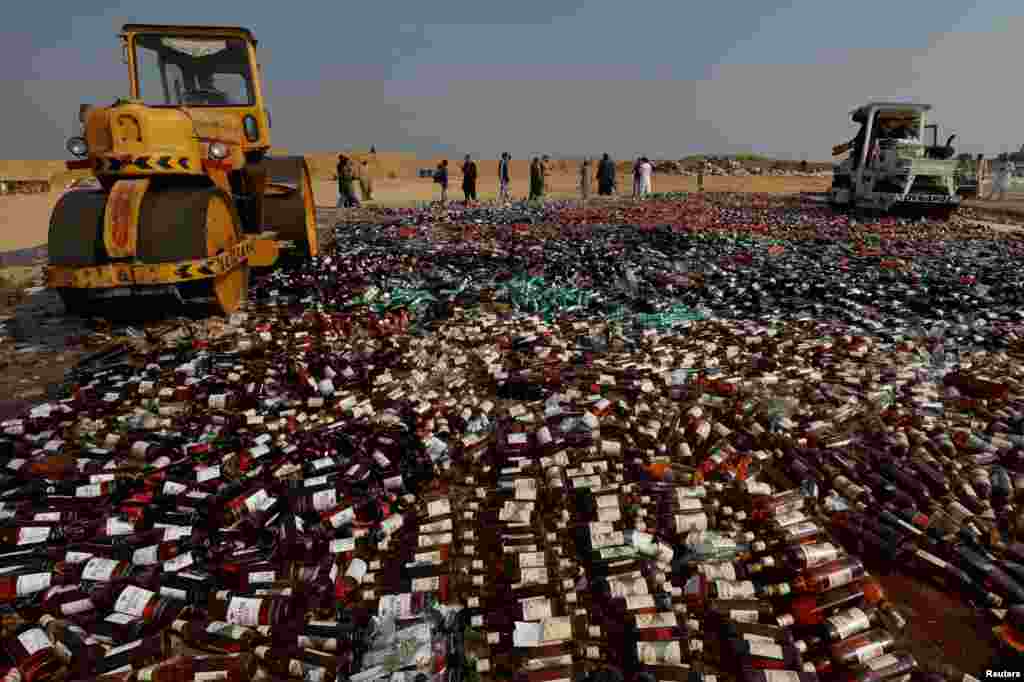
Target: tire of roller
{"x":76,"y":239}
{"x":172,"y":223}
{"x":286,"y":214}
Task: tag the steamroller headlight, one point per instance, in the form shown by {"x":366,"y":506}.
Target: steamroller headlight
{"x":77,"y":146}
{"x":218,"y":151}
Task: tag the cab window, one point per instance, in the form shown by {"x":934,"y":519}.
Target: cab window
{"x":193,"y":72}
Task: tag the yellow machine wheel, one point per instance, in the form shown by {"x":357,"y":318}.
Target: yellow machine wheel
{"x":222,"y":229}
{"x":289,"y":208}
{"x":76,"y":239}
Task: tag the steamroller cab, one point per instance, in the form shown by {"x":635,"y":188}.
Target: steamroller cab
{"x":188,"y":197}
{"x":889,"y":167}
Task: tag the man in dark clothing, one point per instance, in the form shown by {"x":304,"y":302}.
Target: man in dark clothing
{"x":605,"y":176}
{"x":441,"y":178}
{"x":469,"y":179}
{"x":346,"y":191}
{"x":504,"y":178}
{"x":536,"y":180}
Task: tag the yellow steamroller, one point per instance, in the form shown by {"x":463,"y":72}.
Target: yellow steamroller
{"x":189,"y":196}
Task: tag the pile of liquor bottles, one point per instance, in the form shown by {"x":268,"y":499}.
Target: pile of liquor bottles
{"x":597,"y":562}
{"x":321,"y":495}
{"x":213,"y":514}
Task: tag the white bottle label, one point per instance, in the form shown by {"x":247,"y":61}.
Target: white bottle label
{"x":819,"y":553}
{"x":172,"y":488}
{"x":431,"y":584}
{"x":735,"y":589}
{"x":531,"y":559}
{"x":344,"y":517}
{"x":34,"y":640}
{"x":766,"y":650}
{"x":883,"y":662}
{"x":208,"y":474}
{"x":839,"y":578}
{"x":744,"y":616}
{"x":133,"y":601}
{"x":868,"y":652}
{"x":244,"y":611}
{"x":99,"y":569}
{"x":208,"y":676}
{"x":262,"y":577}
{"x":723,"y":571}
{"x":780,"y":676}
{"x":31,"y":535}
{"x":666,"y":619}
{"x":849,"y":623}
{"x":659,"y":653}
{"x":342,"y":545}
{"x":325,"y":499}
{"x":639,"y":601}
{"x":179,"y":562}
{"x":685,"y":523}
{"x":439,"y":508}
{"x":536,"y":608}
{"x":548,"y":662}
{"x":79,"y":606}
{"x":32,"y":583}
{"x":145,"y":556}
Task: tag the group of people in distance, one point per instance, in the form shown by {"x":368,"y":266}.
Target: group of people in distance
{"x":607,"y":180}
{"x":349,"y":173}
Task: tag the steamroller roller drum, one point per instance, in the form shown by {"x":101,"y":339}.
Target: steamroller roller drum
{"x":289,"y":208}
{"x":196,"y":223}
{"x":173,"y":223}
{"x":76,"y":229}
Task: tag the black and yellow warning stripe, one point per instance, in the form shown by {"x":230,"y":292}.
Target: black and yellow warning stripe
{"x":148,"y":164}
{"x":130,"y":274}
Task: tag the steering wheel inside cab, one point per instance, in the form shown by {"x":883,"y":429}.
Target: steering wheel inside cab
{"x":206,"y":97}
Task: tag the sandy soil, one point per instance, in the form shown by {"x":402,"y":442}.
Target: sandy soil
{"x":562,"y":186}
{"x":25,"y":220}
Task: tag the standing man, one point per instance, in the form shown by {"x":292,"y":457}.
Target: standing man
{"x":469,"y":179}
{"x":544,"y":161}
{"x":605,"y":176}
{"x":346,"y":192}
{"x":441,"y":178}
{"x":367,"y":180}
{"x":646,"y":171}
{"x":536,"y":180}
{"x":636,"y":178}
{"x":1001,"y":179}
{"x":504,"y":178}
{"x":585,"y":179}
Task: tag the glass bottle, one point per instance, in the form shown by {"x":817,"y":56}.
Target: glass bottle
{"x":216,"y":636}
{"x":863,"y":647}
{"x":33,"y":654}
{"x":248,"y":611}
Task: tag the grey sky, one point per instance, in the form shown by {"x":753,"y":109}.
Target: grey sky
{"x":563,"y":77}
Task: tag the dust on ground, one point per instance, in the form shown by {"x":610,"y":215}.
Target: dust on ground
{"x":38,"y":342}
